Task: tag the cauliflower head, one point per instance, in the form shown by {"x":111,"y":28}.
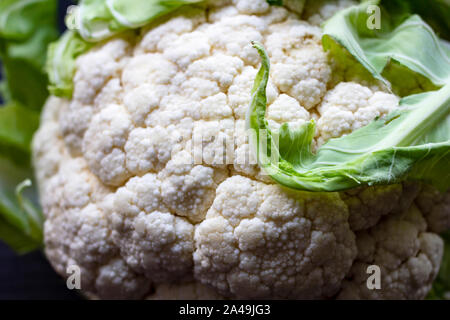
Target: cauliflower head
{"x":129,"y":198}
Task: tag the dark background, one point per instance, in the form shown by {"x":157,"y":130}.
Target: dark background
{"x":30,"y":276}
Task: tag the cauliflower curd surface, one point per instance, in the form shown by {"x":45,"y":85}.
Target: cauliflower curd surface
{"x":128,"y":201}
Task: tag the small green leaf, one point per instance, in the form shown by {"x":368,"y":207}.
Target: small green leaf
{"x":61,"y":60}
{"x":20,"y":218}
{"x":99,"y":19}
{"x":35,"y":217}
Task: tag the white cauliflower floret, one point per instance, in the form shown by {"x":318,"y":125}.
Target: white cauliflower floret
{"x":158,"y":37}
{"x":78,"y":234}
{"x":115,"y":281}
{"x":258,"y":241}
{"x":286,"y":110}
{"x":189,"y":189}
{"x":408,"y":256}
{"x":435,"y":207}
{"x":112,"y":93}
{"x":74,"y":121}
{"x":350,"y":106}
{"x":48,"y":144}
{"x":147,"y":149}
{"x":153,"y":68}
{"x":151,"y":240}
{"x":212,"y":142}
{"x":149,"y":186}
{"x":303,"y":72}
{"x":91,"y":241}
{"x":220,"y":110}
{"x":96,"y":67}
{"x":140,"y":101}
{"x":369,"y":204}
{"x":74,"y":186}
{"x":231,"y":33}
{"x":318,"y":11}
{"x":218,"y":68}
{"x":187,"y":48}
{"x":104,"y":142}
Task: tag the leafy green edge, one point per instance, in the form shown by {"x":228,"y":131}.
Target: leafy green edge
{"x":93,"y":21}
{"x":291,"y":162}
{"x":26,"y":28}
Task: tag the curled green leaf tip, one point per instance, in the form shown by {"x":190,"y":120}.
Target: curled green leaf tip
{"x":410,"y":143}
